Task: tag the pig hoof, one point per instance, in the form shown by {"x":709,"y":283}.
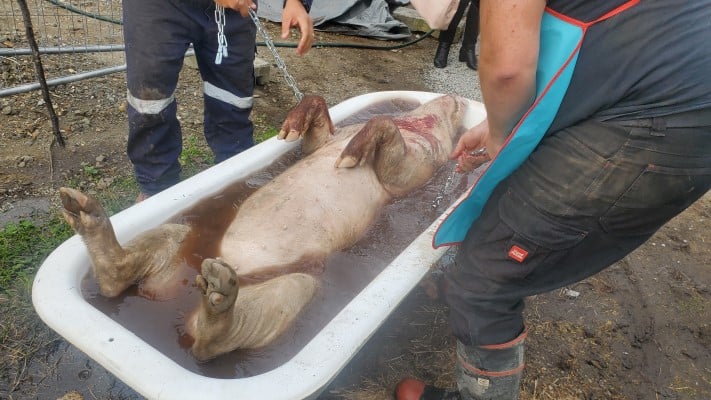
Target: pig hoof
{"x":218,"y":283}
{"x":81,"y":211}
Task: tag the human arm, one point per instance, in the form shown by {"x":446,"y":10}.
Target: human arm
{"x":510,"y":32}
{"x":296,"y":14}
{"x":243,"y":6}
{"x":470,"y":151}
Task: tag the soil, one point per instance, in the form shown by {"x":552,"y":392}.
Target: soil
{"x":639,"y":330}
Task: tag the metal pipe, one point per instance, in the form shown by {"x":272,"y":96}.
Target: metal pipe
{"x":59,"y":81}
{"x":62,"y":50}
{"x":68,"y":79}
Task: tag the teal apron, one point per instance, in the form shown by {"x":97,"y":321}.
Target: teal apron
{"x":560,"y":42}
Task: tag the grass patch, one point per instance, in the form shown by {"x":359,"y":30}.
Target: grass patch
{"x":196,"y":155}
{"x":23,"y":247}
{"x":25,"y":244}
{"x":262,"y":135}
{"x":262,"y":129}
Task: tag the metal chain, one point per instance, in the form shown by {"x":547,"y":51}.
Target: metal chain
{"x":279,"y":62}
{"x":221,"y":39}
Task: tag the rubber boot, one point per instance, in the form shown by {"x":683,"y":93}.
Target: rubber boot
{"x":491,"y":372}
{"x":440,"y":59}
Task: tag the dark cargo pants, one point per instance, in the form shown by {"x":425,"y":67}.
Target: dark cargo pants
{"x":586,"y":197}
{"x":157,"y":35}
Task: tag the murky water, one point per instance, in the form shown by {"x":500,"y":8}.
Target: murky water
{"x":160,"y":323}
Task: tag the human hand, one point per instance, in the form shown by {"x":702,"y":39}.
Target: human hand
{"x":471,"y":150}
{"x":295,"y":14}
{"x":243,"y":6}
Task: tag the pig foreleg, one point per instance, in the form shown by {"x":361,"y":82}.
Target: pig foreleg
{"x":308,"y":119}
{"x":261,"y":313}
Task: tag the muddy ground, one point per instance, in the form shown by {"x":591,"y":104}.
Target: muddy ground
{"x":639,"y":330}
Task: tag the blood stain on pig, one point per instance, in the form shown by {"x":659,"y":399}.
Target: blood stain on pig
{"x":422,"y":124}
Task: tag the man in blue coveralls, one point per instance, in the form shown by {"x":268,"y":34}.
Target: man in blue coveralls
{"x":599,"y":132}
{"x":157,"y":34}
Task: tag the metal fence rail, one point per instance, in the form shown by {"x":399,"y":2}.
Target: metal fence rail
{"x":77,"y":39}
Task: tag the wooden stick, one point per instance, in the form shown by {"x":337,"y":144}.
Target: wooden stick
{"x":39,"y":70}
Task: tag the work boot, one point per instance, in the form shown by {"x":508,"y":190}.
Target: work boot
{"x":440,"y":59}
{"x":491,"y":372}
{"x":413,"y":389}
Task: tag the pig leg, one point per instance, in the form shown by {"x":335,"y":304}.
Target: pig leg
{"x":149,"y":259}
{"x":225,"y":321}
{"x":399,"y":165}
{"x":310,"y":120}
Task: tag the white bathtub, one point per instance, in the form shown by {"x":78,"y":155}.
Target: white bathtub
{"x":57,"y":297}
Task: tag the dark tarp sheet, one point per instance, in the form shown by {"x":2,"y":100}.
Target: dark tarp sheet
{"x":369,"y":18}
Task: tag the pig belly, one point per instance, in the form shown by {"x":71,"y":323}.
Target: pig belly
{"x":303,"y":215}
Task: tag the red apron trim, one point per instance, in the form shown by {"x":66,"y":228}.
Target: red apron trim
{"x":616,"y":11}
{"x":585,"y":25}
{"x":566,"y":18}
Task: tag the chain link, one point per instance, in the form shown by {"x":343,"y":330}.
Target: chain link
{"x":221,"y":39}
{"x":279,"y":62}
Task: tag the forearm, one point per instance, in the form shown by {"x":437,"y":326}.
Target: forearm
{"x":506,"y":97}
{"x":510,"y":31}
{"x":305,"y":3}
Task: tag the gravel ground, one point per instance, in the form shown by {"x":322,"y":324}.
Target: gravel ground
{"x":455,"y":78}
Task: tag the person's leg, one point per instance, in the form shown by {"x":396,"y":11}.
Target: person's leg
{"x":156,"y":38}
{"x":467,"y":52}
{"x":584,"y":199}
{"x":228,"y":86}
{"x":446,"y":37}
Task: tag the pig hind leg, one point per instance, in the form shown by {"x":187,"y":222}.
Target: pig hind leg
{"x":380,"y":143}
{"x":148,"y":259}
{"x":115,"y":267}
{"x":261,"y":313}
{"x":219,"y":286}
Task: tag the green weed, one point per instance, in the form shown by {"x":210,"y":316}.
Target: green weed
{"x":90,"y":171}
{"x":24,"y":245}
{"x":196,"y":155}
{"x":262,"y":135}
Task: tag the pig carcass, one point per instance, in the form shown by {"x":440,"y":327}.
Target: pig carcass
{"x":274,"y":250}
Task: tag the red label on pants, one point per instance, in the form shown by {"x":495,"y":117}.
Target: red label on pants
{"x":517,"y":253}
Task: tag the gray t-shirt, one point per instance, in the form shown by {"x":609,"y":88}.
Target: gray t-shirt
{"x":651,"y":60}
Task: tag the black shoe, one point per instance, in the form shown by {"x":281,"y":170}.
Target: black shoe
{"x":440,"y":59}
{"x":468,"y":55}
{"x":413,"y":389}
